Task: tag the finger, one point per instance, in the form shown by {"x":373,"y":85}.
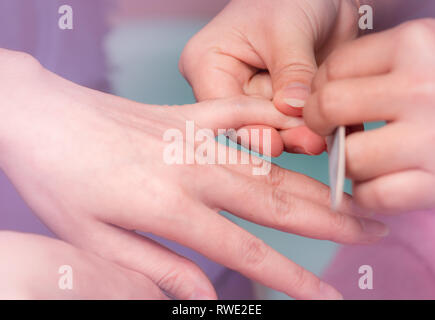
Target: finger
{"x":398,"y":192}
{"x":176,"y":275}
{"x":352,"y":102}
{"x":273,"y":206}
{"x":226,"y":243}
{"x":365,"y":57}
{"x":379,"y":152}
{"x":237,"y":112}
{"x":302,"y":140}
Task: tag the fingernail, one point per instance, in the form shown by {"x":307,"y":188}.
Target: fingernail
{"x":327,"y":292}
{"x":296,"y":94}
{"x":374,"y":227}
{"x":301,"y":150}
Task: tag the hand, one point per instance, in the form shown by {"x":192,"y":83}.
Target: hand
{"x":269,"y":48}
{"x":385,"y":76}
{"x":30,"y":264}
{"x":91,"y":165}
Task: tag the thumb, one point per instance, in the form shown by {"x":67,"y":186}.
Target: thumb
{"x":292,"y":69}
{"x":256,"y":116}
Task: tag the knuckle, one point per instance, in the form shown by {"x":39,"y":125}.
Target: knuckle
{"x":238,"y":102}
{"x":332,"y":66}
{"x":172,"y":281}
{"x":418,"y":33}
{"x":429,"y":140}
{"x":253,"y":251}
{"x":282,"y":204}
{"x":296,"y":66}
{"x":178,"y":200}
{"x":276,"y":176}
{"x":233,"y":107}
{"x":180,"y":279}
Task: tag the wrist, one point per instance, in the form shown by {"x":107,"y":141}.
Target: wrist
{"x":17,"y":70}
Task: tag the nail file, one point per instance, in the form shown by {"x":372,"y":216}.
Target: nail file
{"x":336,"y":148}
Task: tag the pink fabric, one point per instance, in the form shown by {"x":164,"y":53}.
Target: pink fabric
{"x":403,"y":263}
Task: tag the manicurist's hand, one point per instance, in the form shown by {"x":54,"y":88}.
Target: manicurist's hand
{"x":36,"y":267}
{"x":386,"y":76}
{"x":97,"y":167}
{"x":269,"y":48}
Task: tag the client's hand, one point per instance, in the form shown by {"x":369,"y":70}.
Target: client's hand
{"x":95,"y":168}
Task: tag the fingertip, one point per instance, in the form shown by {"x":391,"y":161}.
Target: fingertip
{"x":328,"y":292}
{"x":374,"y":227}
{"x":283,"y":106}
{"x":313,"y":117}
{"x":303,"y":141}
{"x":273,"y":148}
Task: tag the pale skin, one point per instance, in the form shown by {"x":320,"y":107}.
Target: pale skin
{"x":90,"y":165}
{"x":34,"y":262}
{"x":389,"y":77}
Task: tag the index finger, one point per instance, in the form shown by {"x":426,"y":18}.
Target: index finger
{"x":224,"y":242}
{"x":272,"y":205}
